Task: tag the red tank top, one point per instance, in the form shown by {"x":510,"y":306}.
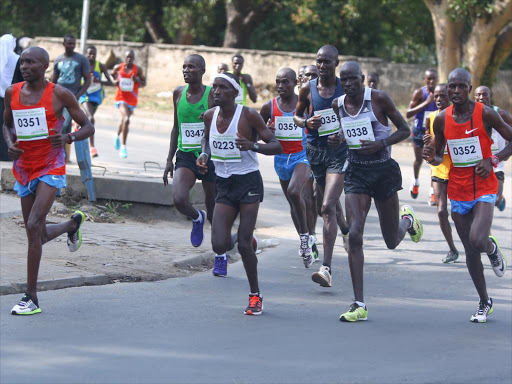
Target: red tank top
{"x":39,"y":157}
{"x":464,"y":184}
{"x":288,"y":146}
{"x":129,"y":97}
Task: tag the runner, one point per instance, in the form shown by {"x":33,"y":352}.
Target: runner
{"x":467,"y":128}
{"x":300,"y":79}
{"x":422,"y":102}
{"x":128,"y":77}
{"x":440,"y":174}
{"x":222,"y":67}
{"x":310,"y":73}
{"x":33,"y":132}
{"x":373,"y":80}
{"x":230,"y":139}
{"x":328,"y":164}
{"x":94,"y":95}
{"x":483,"y":95}
{"x":245,"y":81}
{"x":190,"y":102}
{"x":371,"y":173}
{"x":73,"y":72}
{"x":292,"y":166}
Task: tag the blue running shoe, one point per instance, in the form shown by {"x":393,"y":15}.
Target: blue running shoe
{"x":502,"y":205}
{"x":117,"y":143}
{"x":196,"y":236}
{"x":220,"y":266}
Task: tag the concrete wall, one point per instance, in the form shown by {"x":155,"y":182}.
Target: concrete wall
{"x":162,"y":63}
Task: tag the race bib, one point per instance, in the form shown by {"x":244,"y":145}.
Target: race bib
{"x":357,"y":130}
{"x":330,"y":124}
{"x":223,"y":148}
{"x":495,"y":142}
{"x":94,"y":87}
{"x":286,"y":129}
{"x":191,"y":135}
{"x":30,"y":124}
{"x":465,"y":152}
{"x":126,"y":84}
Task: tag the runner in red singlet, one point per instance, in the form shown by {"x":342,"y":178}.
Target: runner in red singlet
{"x":128,"y":77}
{"x":466,"y":127}
{"x":33,"y":121}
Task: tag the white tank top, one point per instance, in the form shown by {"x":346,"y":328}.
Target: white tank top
{"x":228,"y":160}
{"x":498,"y":143}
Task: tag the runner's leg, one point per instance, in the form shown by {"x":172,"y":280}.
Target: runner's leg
{"x":184,"y":180}
{"x":209,"y":198}
{"x":440,"y":191}
{"x":332,"y":191}
{"x":392,"y":227}
{"x":248,"y":216}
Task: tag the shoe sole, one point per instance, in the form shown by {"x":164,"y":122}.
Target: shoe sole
{"x":34,"y":312}
{"x":219,"y":275}
{"x":251,"y":313}
{"x":317,"y":278}
{"x":345,"y":320}
{"x":82,"y":215}
{"x":483,"y":321}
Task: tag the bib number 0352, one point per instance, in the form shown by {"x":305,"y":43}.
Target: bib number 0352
{"x":465,"y":152}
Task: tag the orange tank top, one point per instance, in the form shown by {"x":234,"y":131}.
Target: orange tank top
{"x":127,"y":89}
{"x":465,"y":141}
{"x":39,"y":157}
{"x":289,"y":145}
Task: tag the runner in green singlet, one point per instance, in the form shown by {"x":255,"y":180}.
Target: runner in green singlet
{"x":245,"y":81}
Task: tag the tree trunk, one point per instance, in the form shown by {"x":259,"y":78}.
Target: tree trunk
{"x":155,"y":29}
{"x":242,"y":17}
{"x":502,"y":50}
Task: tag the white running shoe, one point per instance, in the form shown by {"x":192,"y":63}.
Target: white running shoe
{"x":345,"y":240}
{"x":305,"y":251}
{"x":26,"y":306}
{"x":323,"y":277}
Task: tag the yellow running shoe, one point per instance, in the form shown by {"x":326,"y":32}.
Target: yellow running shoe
{"x":416,"y":229}
{"x":355,"y":313}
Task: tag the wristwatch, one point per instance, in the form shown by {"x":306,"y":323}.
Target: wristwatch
{"x":306,"y":123}
{"x":71,"y":137}
{"x":495,"y":160}
{"x":255,"y":147}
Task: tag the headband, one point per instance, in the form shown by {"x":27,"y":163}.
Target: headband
{"x":231,"y":81}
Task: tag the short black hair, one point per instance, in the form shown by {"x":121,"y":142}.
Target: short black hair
{"x":375,"y":75}
{"x":91,"y":47}
{"x":237,"y":55}
{"x":69,"y":36}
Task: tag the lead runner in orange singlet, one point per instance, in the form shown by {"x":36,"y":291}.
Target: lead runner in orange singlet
{"x":33,"y":132}
{"x":466,"y":127}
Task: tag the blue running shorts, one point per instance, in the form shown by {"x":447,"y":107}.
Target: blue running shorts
{"x":56,"y":181}
{"x":285,"y":164}
{"x":464,"y":207}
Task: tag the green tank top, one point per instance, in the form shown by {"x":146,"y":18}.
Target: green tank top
{"x":242,"y":99}
{"x":191,"y":129}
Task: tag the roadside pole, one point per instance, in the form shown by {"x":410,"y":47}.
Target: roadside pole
{"x":83,"y":155}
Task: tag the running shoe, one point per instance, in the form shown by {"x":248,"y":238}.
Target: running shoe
{"x":345,"y":240}
{"x":498,"y":260}
{"x":323,"y":277}
{"x":502,"y":205}
{"x":416,"y":229}
{"x":123,"y":153}
{"x":255,"y":307}
{"x":415,"y":190}
{"x":451,"y":257}
{"x":197,"y":234}
{"x":484,"y":310}
{"x":94,"y":152}
{"x":314,"y":250}
{"x":117,"y":143}
{"x":26,"y":306}
{"x":355,"y":313}
{"x":75,"y":238}
{"x":220,"y":266}
{"x":254,"y":243}
{"x":305,"y":251}
{"x":432,"y":201}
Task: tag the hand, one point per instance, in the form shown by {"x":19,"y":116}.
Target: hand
{"x":245,"y":78}
{"x":202,"y":163}
{"x":430,"y":97}
{"x":95,"y":80}
{"x":369,"y":147}
{"x":243,"y":144}
{"x":427,"y":139}
{"x":271,"y":126}
{"x":334,"y":141}
{"x":58,"y":140}
{"x":428,"y":153}
{"x":14,"y":152}
{"x":314,"y":122}
{"x":169,"y":169}
{"x":201,"y":116}
{"x":484,"y":168}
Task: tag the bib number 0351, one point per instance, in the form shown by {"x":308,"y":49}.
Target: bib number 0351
{"x":30,"y":124}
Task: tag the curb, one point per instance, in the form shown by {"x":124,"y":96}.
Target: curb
{"x":51,"y":285}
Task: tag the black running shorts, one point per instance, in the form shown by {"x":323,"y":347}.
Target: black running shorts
{"x":239,"y":189}
{"x":188,"y":160}
{"x":324,"y":160}
{"x":378,"y":180}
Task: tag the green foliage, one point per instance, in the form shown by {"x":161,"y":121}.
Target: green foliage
{"x":470,"y":9}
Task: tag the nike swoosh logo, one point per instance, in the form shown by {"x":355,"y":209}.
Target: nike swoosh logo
{"x":253,"y":194}
{"x":468,"y":132}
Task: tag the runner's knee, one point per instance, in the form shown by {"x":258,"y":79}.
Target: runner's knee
{"x":442,"y":213}
{"x":355,"y":239}
{"x":245,"y":248}
{"x":328,"y":209}
{"x":478,"y":242}
{"x":294,"y":193}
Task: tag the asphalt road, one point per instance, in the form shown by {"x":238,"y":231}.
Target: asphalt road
{"x":192,"y":330}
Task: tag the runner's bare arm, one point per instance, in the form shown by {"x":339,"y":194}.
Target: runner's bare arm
{"x":173,"y":146}
{"x":87,"y":83}
{"x":427,"y":139}
{"x":247,"y":79}
{"x":434,"y":154}
{"x":55,"y":74}
{"x":265,"y":113}
{"x":115,"y":74}
{"x":109,"y":81}
{"x":335,"y":140}
{"x":202,"y":160}
{"x":302,"y":106}
{"x":8,"y":129}
{"x":255,"y":121}
{"x":418,"y":103}
{"x":141,"y":79}
{"x":67,"y":100}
